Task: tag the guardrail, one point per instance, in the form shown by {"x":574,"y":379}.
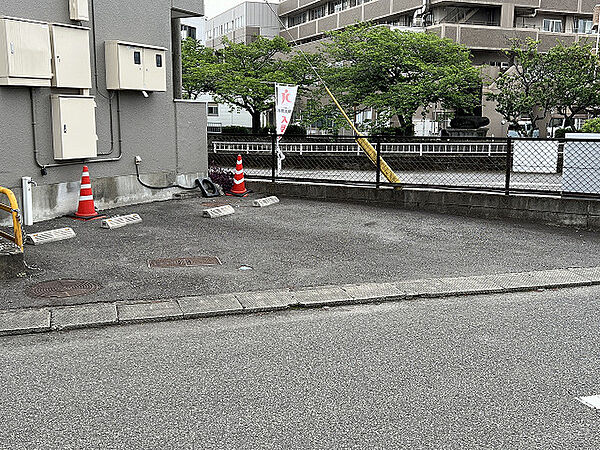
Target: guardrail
{"x":13,"y":209}
{"x":421,"y":148}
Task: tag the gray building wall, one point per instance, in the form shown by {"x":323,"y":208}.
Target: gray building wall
{"x":256,"y":19}
{"x":153,"y":128}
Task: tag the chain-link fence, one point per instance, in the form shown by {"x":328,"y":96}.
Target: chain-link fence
{"x":560,"y":167}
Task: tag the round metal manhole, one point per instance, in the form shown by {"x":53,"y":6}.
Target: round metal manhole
{"x":62,"y":289}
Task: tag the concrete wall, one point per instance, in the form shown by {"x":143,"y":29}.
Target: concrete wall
{"x":148,"y":125}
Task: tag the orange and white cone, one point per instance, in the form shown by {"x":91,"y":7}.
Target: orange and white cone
{"x":239,"y":185}
{"x":86,"y":209}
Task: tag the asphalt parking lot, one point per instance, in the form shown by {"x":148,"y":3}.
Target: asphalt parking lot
{"x":296,"y":243}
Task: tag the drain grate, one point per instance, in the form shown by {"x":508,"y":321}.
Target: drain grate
{"x":185,"y":262}
{"x":62,"y":289}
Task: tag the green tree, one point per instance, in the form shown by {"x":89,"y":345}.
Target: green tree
{"x":566,"y":79}
{"x":395,"y":73}
{"x":575,"y":75}
{"x":526,"y":88}
{"x":243,"y":75}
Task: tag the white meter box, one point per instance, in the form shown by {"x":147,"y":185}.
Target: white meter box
{"x":24,"y":53}
{"x":74,"y":127}
{"x":71,"y":56}
{"x":136,"y":67}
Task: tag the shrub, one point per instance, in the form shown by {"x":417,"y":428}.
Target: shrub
{"x":223,"y":178}
{"x":591,"y":126}
{"x":560,"y":133}
{"x":295,"y":130}
{"x":235,"y":129}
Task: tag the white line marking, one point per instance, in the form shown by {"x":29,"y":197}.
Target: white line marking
{"x":593,"y":401}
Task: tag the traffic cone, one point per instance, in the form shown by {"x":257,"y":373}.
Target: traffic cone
{"x":239,"y":186}
{"x":86,"y":209}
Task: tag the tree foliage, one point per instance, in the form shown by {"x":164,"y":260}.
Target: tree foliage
{"x":565,"y":79}
{"x":395,"y":73}
{"x":243,"y":75}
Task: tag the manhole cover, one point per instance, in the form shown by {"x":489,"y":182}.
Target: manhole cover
{"x":62,"y":289}
{"x":185,"y":262}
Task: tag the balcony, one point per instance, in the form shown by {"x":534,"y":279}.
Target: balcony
{"x":480,"y":37}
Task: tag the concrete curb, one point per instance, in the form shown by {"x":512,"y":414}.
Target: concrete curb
{"x":37,"y":320}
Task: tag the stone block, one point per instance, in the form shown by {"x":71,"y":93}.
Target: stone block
{"x":84,"y":316}
{"x":591,"y":274}
{"x":265,"y":300}
{"x":322,"y":295}
{"x":539,"y":279}
{"x":20,"y":321}
{"x":422,"y":288}
{"x":146,"y":312}
{"x":373,"y":291}
{"x":209,"y":305}
{"x":470,"y":285}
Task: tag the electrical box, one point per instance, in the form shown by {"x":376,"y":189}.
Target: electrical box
{"x":24,"y":53}
{"x":136,"y":67}
{"x":71,"y":56}
{"x":79,"y":10}
{"x":74,"y":127}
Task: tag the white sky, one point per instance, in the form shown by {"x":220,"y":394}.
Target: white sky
{"x":214,"y":7}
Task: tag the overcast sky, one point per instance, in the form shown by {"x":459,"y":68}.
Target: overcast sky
{"x":214,"y":7}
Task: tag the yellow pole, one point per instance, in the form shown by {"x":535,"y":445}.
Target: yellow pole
{"x":13,"y":209}
{"x":366,"y":146}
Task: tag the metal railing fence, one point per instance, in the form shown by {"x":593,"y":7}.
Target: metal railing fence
{"x":567,"y":167}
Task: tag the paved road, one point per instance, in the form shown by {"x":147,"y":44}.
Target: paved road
{"x":296,"y":243}
{"x":495,"y":372}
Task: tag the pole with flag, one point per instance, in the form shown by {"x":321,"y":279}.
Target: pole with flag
{"x":285,"y":98}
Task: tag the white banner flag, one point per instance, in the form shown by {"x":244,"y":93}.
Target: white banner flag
{"x":285,"y":97}
{"x":284,"y":105}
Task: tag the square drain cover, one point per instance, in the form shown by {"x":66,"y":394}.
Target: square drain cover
{"x":185,"y":262}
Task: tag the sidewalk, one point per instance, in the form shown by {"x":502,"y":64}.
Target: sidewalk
{"x":292,"y":245}
{"x":23,"y":321}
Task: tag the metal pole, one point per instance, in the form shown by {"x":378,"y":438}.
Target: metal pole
{"x":273,"y":156}
{"x":508,"y":166}
{"x":378,"y":168}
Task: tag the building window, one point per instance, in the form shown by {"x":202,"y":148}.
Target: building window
{"x":583,"y":26}
{"x":297,"y":20}
{"x":553,"y":25}
{"x":317,"y":13}
{"x":213,"y":109}
{"x":188,"y":31}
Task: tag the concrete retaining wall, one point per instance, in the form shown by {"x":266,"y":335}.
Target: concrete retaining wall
{"x":577,"y":213}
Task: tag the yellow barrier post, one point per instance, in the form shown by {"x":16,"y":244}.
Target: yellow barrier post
{"x":13,"y":209}
{"x":366,"y":146}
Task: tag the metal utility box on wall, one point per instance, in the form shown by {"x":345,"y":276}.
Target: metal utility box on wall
{"x":74,"y":127}
{"x":25,"y":58}
{"x":79,"y":10}
{"x":71,"y":56}
{"x":136,"y":67}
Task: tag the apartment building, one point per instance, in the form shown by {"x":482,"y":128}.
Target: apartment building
{"x":484,"y":26}
{"x":242,"y":23}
